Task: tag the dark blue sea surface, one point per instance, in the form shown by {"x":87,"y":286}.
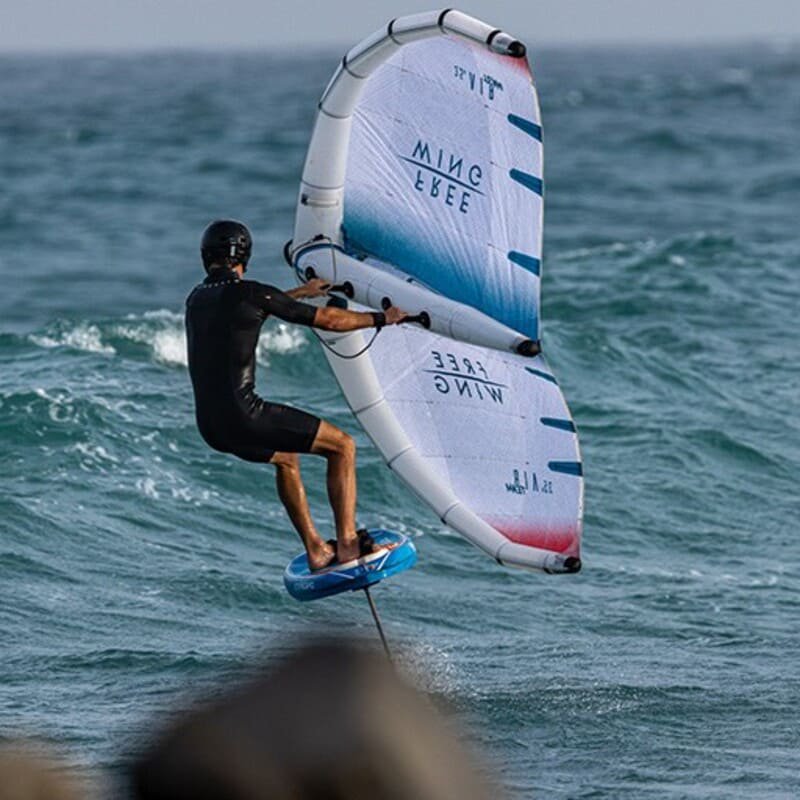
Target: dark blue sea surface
{"x":137,"y":566}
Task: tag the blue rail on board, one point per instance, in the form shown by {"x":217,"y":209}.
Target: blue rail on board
{"x":528,"y":181}
{"x":305,"y":584}
{"x":526,"y":262}
{"x":567,"y":467}
{"x":531,"y":128}
{"x":561,"y":424}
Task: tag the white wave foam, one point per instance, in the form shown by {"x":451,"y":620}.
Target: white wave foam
{"x":169,"y":347}
{"x":61,"y":407}
{"x":94,"y":452}
{"x":614,"y":248}
{"x":160,"y":484}
{"x":163,"y":314}
{"x":163,"y":331}
{"x":82,"y":337}
{"x":280,"y":338}
{"x":147,"y":486}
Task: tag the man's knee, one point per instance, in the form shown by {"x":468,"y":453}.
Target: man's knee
{"x":286,"y":461}
{"x":344,"y":445}
{"x":348,"y":445}
{"x":334,"y":441}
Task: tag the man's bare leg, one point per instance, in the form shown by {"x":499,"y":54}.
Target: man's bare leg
{"x":339,"y":449}
{"x":293,"y":496}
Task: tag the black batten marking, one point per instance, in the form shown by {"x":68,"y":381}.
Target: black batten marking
{"x":347,"y":69}
{"x":332,"y":116}
{"x":440,"y":21}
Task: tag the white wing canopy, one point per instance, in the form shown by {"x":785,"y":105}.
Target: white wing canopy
{"x":423,"y":187}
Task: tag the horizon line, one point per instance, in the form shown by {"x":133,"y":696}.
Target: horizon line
{"x":777,"y":42}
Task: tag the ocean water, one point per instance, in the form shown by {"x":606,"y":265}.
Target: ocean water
{"x":137,"y":566}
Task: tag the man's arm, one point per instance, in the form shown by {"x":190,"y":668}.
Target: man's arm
{"x":327,"y":318}
{"x":330,"y":318}
{"x":316,"y":287}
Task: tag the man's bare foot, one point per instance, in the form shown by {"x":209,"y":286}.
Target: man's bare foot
{"x":326,"y":554}
{"x":358,"y":546}
{"x":348,"y":549}
{"x":321,"y":556}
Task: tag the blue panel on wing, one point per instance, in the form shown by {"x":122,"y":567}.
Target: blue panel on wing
{"x":428,"y":187}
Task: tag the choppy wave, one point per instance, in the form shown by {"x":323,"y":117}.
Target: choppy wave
{"x":79,"y":337}
{"x":160,"y":332}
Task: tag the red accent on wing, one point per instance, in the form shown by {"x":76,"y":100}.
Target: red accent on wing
{"x":559,"y":539}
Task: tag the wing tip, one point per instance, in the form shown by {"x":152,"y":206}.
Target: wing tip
{"x":567,"y":566}
{"x":572,"y":564}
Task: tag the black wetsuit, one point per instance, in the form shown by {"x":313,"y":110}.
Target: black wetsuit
{"x":224,"y":315}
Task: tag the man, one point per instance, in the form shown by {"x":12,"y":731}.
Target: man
{"x":224,"y":315}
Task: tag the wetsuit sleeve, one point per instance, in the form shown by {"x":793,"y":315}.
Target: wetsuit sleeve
{"x":274,"y":301}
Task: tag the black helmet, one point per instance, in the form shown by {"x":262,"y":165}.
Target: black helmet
{"x":226,"y":242}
